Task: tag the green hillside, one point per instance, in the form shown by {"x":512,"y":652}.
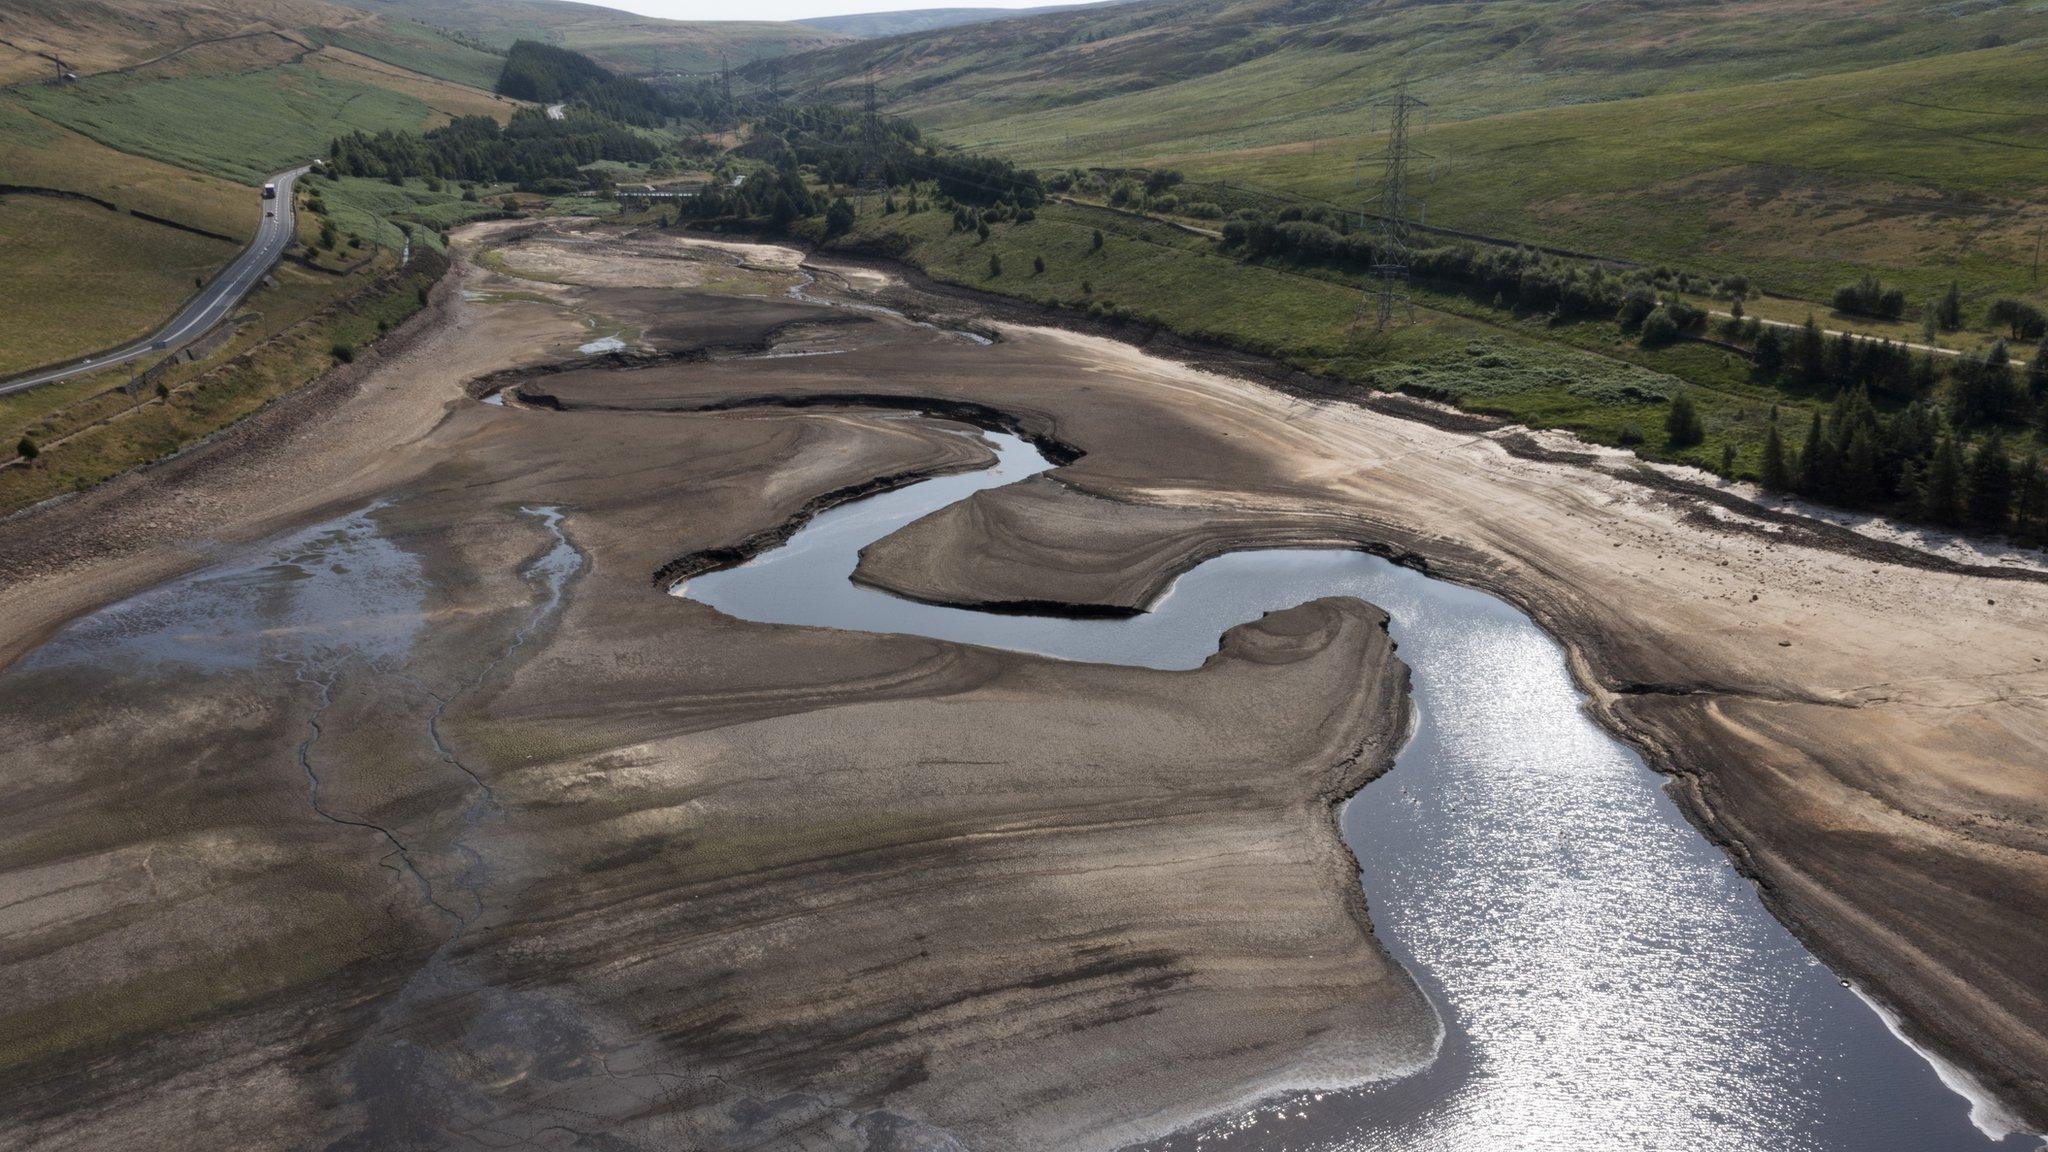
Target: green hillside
{"x":872,"y":25}
{"x":638,"y":45}
{"x":242,"y":125}
{"x":1790,"y":140}
{"x":418,"y":48}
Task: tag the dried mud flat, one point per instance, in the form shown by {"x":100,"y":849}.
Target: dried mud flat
{"x":577,"y":860}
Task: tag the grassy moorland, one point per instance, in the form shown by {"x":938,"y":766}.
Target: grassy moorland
{"x":75,"y":283}
{"x":80,"y":276}
{"x":623,"y":42}
{"x":417,"y":48}
{"x":243,"y":124}
{"x":84,"y":270}
{"x":1797,"y":142}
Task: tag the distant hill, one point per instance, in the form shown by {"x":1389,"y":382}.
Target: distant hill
{"x":621,"y":41}
{"x":870,"y":25}
{"x":1787,"y":138}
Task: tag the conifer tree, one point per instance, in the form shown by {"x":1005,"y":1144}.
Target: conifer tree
{"x":1777,"y":471}
{"x":1948,"y":312}
{"x":1991,"y":483}
{"x":2030,"y":499}
{"x":1941,"y":495}
{"x":1813,"y":460}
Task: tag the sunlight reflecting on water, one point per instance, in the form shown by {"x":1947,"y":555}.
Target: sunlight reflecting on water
{"x":1607,"y":980}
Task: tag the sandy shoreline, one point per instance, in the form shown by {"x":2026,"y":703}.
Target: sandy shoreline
{"x":1867,"y":775}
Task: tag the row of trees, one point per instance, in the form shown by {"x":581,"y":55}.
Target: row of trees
{"x":1520,"y":277}
{"x":530,"y":150}
{"x":1986,"y":389}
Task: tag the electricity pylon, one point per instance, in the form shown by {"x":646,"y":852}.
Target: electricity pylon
{"x":1393,"y":205}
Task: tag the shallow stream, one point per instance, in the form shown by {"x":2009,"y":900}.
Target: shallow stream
{"x":1605,"y":978}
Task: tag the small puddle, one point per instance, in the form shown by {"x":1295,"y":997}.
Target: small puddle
{"x":1606,"y":979}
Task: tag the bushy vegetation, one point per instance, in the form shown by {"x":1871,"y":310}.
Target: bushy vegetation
{"x":1867,"y":297}
{"x":841,"y":149}
{"x":530,"y":150}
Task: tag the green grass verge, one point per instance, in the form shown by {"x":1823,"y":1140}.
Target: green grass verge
{"x":124,"y":432}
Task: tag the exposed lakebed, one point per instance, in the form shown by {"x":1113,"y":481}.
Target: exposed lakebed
{"x":1606,"y":978}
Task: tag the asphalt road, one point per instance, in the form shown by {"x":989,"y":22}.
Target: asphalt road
{"x":210,"y":306}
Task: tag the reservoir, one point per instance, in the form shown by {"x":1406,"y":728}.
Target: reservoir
{"x":1604,"y":977}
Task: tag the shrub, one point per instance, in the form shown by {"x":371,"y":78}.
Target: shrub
{"x":1682,"y":425}
{"x":1629,"y":436}
{"x":1202,"y":210}
{"x":2022,"y":319}
{"x":839,"y":218}
{"x":1867,"y":297}
{"x":1095,"y":245}
{"x":27,"y":449}
{"x":1636,"y":306}
{"x":1659,"y":329}
{"x":343,"y":351}
{"x":995,"y":264}
{"x":1038,"y":265}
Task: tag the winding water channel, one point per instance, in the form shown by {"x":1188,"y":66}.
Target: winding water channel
{"x":1605,"y":978}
